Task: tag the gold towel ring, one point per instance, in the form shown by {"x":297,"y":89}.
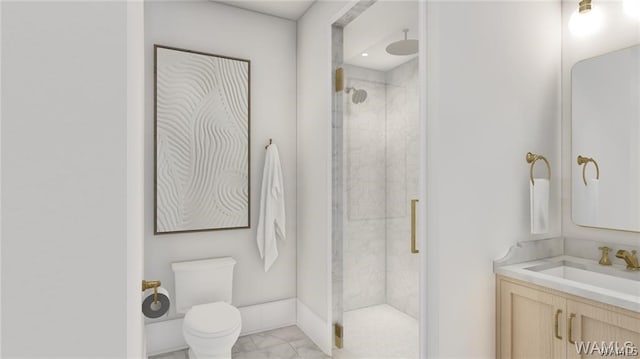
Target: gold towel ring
{"x":584,"y":161}
{"x":532,"y":158}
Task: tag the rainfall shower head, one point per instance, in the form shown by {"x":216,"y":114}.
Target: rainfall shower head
{"x":359,"y":95}
{"x":403,"y":47}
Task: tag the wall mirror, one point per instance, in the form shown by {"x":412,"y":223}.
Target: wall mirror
{"x":606,"y":140}
{"x":201,"y":141}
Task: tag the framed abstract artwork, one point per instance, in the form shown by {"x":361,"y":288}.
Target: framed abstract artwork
{"x":202,"y":122}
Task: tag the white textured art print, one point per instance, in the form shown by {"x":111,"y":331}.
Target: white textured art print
{"x":202,"y":141}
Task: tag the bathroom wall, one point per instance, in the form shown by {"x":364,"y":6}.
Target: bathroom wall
{"x":402,"y":267}
{"x":618,"y":31}
{"x":270,"y":44}
{"x":314,"y":169}
{"x":493,"y":93}
{"x":66,"y":154}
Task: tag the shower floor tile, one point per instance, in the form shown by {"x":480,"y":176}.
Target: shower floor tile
{"x":378,"y":332}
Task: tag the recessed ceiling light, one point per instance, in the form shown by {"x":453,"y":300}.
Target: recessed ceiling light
{"x":365,"y":54}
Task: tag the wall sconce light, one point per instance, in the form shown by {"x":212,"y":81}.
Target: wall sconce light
{"x":585,"y":20}
{"x":632,"y":8}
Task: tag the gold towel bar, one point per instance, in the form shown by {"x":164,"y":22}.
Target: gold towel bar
{"x":584,"y":161}
{"x":532,"y":158}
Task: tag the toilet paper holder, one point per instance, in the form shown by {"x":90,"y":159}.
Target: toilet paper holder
{"x":152,"y":284}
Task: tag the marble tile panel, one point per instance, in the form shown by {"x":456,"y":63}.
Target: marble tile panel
{"x":308,"y":350}
{"x":288,"y":334}
{"x":244,"y":344}
{"x":402,"y":267}
{"x":280,"y":351}
{"x":266,"y":340}
{"x":180,"y":354}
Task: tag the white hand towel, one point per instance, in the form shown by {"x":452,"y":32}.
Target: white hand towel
{"x":539,"y":198}
{"x":271,"y":223}
{"x":592,"y":202}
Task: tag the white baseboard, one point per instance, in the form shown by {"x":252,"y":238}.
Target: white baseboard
{"x":318,"y":330}
{"x":166,"y":336}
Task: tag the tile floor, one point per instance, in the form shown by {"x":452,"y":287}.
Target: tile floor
{"x":377,"y":332}
{"x":284,"y":343}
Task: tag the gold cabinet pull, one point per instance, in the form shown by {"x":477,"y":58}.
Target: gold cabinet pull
{"x":558,"y":312}
{"x":570,"y":320}
{"x":413,"y":227}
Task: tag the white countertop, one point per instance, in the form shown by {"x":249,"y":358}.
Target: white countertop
{"x":623,"y":300}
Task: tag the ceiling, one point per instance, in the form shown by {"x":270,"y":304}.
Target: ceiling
{"x":377,"y":27}
{"x":288,"y":9}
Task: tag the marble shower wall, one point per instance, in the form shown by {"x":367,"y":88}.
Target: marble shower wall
{"x":380,"y":177}
{"x":364,"y":220}
{"x":402,"y":267}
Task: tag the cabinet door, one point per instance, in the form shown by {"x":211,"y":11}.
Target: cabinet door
{"x":527,"y":323}
{"x":594,"y":329}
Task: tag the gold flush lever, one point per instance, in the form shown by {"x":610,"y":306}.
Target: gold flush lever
{"x":148,"y":284}
{"x":413,"y":227}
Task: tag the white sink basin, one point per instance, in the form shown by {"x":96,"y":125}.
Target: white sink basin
{"x":605,"y":277}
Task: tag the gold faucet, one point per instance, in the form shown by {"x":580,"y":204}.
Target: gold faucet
{"x":630,"y":258}
{"x":605,"y":261}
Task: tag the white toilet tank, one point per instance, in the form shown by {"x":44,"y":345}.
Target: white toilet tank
{"x":202,"y":281}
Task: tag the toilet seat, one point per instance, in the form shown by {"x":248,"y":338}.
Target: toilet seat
{"x":212,"y":320}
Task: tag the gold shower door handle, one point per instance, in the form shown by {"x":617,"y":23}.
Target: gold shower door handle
{"x":413,"y":227}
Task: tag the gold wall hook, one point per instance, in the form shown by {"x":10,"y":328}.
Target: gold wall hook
{"x":584,"y":161}
{"x":532,"y":158}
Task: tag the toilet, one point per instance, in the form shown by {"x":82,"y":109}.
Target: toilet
{"x":203,"y":293}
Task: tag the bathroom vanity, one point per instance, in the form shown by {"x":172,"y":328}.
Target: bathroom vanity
{"x":552,"y":302}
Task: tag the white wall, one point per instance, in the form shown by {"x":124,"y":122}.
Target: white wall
{"x":314,"y":170}
{"x":64,"y":179}
{"x":270,"y":44}
{"x":135,"y":176}
{"x":493,"y":93}
{"x":618,"y":31}
{"x":314,"y":157}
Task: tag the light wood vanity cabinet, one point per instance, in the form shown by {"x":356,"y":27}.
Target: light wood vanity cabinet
{"x":536,"y":322}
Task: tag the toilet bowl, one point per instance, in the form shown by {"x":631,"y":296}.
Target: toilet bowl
{"x":203,"y":293}
{"x":211,"y":329}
